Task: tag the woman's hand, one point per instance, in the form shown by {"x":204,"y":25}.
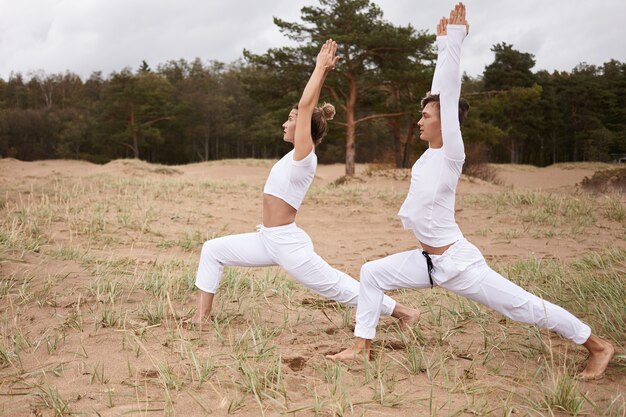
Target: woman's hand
{"x":326,"y":58}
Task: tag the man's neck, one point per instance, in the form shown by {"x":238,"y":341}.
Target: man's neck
{"x":436,"y":143}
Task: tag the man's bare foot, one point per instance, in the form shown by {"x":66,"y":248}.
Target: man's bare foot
{"x":406,"y":316}
{"x":350,"y":355}
{"x":600,"y":353}
{"x":360,"y":352}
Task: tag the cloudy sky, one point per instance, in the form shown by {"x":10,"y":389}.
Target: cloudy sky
{"x":83,"y":36}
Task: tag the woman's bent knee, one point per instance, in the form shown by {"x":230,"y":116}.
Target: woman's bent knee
{"x":207,"y":247}
{"x":209,"y":252}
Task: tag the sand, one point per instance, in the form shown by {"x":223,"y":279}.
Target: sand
{"x":122,"y":221}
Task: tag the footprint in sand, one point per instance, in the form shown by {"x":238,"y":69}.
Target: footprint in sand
{"x":295,"y":364}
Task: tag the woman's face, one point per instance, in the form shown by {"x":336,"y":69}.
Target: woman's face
{"x":289,"y":127}
{"x":430,"y":124}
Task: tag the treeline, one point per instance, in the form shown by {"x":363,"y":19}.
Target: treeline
{"x":182,"y":111}
{"x":543,"y":118}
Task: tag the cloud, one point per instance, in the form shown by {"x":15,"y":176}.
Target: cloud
{"x":83,"y":36}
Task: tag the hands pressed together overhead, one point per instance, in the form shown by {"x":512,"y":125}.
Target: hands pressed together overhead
{"x":326,"y":58}
{"x":457,"y":17}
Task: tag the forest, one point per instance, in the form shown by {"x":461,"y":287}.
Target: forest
{"x":182,"y":111}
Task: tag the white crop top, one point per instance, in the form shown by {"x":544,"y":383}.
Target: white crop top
{"x":429,"y":206}
{"x":289,"y":179}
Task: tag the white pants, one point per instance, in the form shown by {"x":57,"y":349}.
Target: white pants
{"x":287,"y":246}
{"x":461,"y":269}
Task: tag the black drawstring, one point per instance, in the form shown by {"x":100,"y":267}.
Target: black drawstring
{"x":429,"y":264}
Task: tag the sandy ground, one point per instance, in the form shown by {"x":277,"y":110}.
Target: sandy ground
{"x":164,"y":214}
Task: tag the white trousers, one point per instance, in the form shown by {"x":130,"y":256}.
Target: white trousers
{"x":461,"y":269}
{"x":287,"y":246}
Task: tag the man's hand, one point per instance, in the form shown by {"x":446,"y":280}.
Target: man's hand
{"x":457,"y":16}
{"x":442,"y":26}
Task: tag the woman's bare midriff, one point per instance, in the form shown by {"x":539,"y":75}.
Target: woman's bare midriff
{"x":276,"y":212}
{"x":431,"y":250}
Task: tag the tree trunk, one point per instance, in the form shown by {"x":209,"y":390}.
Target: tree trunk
{"x":513,"y":153}
{"x":553,"y":148}
{"x":135,"y":134}
{"x":207,"y":145}
{"x":350,"y":129}
{"x":397,"y":141}
{"x":207,"y":141}
{"x":47,"y":92}
{"x":410,"y":133}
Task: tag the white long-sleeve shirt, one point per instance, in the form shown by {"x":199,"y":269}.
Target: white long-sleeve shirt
{"x":429,"y":206}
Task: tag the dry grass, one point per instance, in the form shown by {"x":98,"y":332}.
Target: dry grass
{"x":97,"y":275}
{"x":606,"y":180}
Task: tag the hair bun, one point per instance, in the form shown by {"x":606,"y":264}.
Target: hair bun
{"x":328,"y":111}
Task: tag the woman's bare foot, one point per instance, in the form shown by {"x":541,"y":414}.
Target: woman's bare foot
{"x":199,"y":319}
{"x":196,"y":322}
{"x":360,"y":352}
{"x":600,"y":353}
{"x":202,"y":317}
{"x":203,"y":310}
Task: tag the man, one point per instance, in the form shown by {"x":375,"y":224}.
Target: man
{"x":448,"y":259}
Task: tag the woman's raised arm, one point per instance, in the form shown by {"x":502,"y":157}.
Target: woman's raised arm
{"x":325,"y":62}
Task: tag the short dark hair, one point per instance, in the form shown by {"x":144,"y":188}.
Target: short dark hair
{"x":434,"y":98}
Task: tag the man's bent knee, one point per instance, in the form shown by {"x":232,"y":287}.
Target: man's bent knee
{"x":368,"y":275}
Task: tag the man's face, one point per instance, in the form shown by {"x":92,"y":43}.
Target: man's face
{"x":430,"y":124}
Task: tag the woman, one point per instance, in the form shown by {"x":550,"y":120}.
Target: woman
{"x":279,"y":241}
{"x":448,"y":259}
